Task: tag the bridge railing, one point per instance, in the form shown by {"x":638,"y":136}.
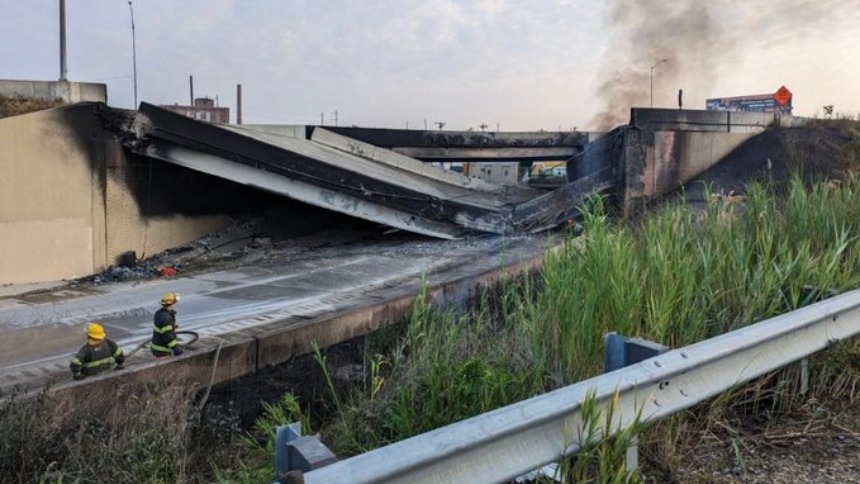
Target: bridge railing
{"x":511,"y":441}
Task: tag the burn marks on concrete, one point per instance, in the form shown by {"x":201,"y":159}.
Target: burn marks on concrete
{"x":394,"y":138}
{"x":78,"y":122}
{"x":161,"y":189}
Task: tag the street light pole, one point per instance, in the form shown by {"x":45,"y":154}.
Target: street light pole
{"x":63,"y":40}
{"x":133,"y":52}
{"x":652,"y":78}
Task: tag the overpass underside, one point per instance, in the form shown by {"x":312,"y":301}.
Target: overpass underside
{"x":329,"y":170}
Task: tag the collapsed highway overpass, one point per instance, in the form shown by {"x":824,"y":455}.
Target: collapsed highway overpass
{"x":337,"y":173}
{"x":97,"y":186}
{"x":101,"y":167}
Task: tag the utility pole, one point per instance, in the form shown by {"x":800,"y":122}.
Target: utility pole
{"x":134,"y":53}
{"x":334,"y":115}
{"x":425,"y":124}
{"x":652,"y":78}
{"x":62,"y":40}
{"x":322,"y":119}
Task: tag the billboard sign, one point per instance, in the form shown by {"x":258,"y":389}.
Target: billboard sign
{"x":759,"y":103}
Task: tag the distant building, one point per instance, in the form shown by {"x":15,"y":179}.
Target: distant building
{"x":503,"y":172}
{"x":549,"y":168}
{"x":204,"y":109}
{"x":778,"y":102}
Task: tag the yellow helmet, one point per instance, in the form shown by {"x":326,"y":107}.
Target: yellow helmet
{"x":170,"y":298}
{"x":96,"y":331}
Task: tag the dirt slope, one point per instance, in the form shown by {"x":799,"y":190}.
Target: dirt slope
{"x":823,"y":149}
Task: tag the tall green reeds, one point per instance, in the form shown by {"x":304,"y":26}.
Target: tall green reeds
{"x":685,"y":275}
{"x":442,"y":371}
{"x":679,"y":276}
{"x":682,"y":275}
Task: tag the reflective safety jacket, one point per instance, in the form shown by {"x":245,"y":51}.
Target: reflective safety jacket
{"x":163,"y":333}
{"x":93,"y":359}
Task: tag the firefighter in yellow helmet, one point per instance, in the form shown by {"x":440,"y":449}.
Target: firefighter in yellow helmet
{"x":164,"y":342}
{"x":95,"y":356}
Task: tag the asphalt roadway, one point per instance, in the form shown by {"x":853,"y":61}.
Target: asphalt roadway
{"x":43,"y":329}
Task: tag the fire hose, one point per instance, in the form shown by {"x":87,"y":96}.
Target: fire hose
{"x":186,"y":339}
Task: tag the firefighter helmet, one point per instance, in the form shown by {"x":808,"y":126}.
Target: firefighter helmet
{"x":170,"y":298}
{"x":95,"y":331}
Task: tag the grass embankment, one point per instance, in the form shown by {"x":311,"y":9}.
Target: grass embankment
{"x":678,"y":277}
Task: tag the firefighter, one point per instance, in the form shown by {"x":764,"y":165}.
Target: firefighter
{"x":95,"y":356}
{"x":164,"y":342}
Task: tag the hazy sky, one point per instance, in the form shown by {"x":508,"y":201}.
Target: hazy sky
{"x":524,"y":64}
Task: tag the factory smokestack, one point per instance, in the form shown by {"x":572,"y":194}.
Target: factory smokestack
{"x":238,"y":104}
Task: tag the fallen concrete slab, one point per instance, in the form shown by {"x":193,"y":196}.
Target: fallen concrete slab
{"x":321,"y":175}
{"x":347,"y":176}
{"x":369,"y":151}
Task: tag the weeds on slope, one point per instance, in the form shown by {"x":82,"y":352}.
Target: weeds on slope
{"x":679,"y":277}
{"x":140,"y":436}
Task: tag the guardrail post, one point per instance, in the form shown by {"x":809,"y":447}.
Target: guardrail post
{"x":804,"y":376}
{"x":620,"y":352}
{"x":283,"y":436}
{"x":809,"y":295}
{"x":296,"y":454}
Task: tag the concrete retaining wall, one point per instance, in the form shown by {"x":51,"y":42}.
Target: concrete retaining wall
{"x":696,"y":120}
{"x":664,"y":149}
{"x":51,"y":209}
{"x":64,"y":210}
{"x":127,"y":226}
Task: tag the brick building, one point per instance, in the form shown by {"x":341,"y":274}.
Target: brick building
{"x":204,"y":109}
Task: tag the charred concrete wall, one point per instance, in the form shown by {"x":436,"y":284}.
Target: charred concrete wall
{"x":392,"y":138}
{"x":142,"y":213}
{"x":72,"y":200}
{"x":51,"y":207}
{"x":663,"y":149}
{"x":153,"y":205}
{"x":470,"y":145}
{"x":600,"y":155}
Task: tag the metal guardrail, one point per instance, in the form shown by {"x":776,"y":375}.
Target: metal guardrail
{"x":510,"y":441}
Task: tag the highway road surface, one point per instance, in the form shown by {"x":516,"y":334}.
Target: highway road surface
{"x":43,"y":329}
